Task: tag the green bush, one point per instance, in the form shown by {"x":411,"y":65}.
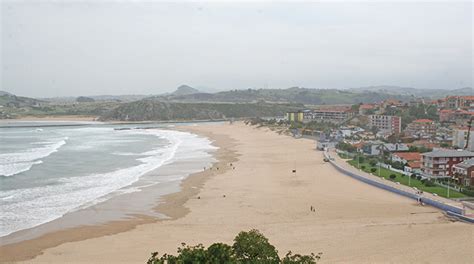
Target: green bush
{"x":362,"y":167}
{"x":393,"y":176}
{"x":373,"y":163}
{"x":468,"y":192}
{"x":249,"y":247}
{"x":373,"y":170}
{"x":429,"y":183}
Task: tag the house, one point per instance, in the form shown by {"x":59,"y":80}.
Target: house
{"x":405,"y":157}
{"x":376,"y":148}
{"x":366,"y":108}
{"x":391,"y":103}
{"x":439,"y":163}
{"x":349,"y":131}
{"x":421,"y":128}
{"x":464,"y":172}
{"x":413,"y":167}
{"x":387,"y":125}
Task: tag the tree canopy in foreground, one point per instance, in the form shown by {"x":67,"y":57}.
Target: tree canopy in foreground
{"x":249,"y":247}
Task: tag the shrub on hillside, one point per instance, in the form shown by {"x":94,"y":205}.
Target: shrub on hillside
{"x":373,"y":170}
{"x":362,"y":167}
{"x":373,"y":163}
{"x":249,"y":247}
{"x":393,"y":176}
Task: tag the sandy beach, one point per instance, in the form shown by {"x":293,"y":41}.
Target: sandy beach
{"x":353,"y":222}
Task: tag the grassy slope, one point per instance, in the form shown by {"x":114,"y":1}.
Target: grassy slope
{"x":402,"y":179}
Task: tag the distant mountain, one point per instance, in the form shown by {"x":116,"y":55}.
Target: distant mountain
{"x":2,"y":93}
{"x":410,"y":91}
{"x":116,"y":98}
{"x":185,"y":90}
{"x":11,"y":100}
{"x":84,"y":99}
{"x":290,"y":95}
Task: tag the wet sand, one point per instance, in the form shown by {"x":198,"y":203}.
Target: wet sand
{"x":353,"y":222}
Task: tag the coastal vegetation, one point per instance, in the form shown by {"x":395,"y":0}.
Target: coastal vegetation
{"x":248,"y":247}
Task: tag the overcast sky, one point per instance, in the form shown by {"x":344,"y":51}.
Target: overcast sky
{"x":62,"y":48}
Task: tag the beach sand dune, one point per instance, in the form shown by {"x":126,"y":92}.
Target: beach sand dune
{"x":353,"y":222}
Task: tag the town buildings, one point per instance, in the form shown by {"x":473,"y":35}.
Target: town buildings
{"x":440,"y":163}
{"x":464,"y":172}
{"x":387,"y":125}
{"x":421,"y":128}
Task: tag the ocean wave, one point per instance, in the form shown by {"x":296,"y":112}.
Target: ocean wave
{"x":34,"y":206}
{"x":31,"y":207}
{"x":11,"y":169}
{"x":17,"y":162}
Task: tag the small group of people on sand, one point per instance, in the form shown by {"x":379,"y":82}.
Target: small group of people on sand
{"x":312,"y":209}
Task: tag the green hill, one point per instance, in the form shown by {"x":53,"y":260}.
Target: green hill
{"x":150,"y":109}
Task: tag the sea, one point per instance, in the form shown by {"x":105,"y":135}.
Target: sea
{"x":51,"y":169}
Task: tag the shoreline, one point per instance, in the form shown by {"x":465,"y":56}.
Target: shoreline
{"x":354,"y":222}
{"x":171,"y":205}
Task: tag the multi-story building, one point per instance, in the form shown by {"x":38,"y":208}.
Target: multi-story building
{"x":459,"y":102}
{"x":460,"y":138}
{"x":440,"y":163}
{"x":333,"y":115}
{"x":421,"y":128}
{"x":297,"y":116}
{"x":455,"y":116}
{"x":386,"y":124}
{"x":464,"y":172}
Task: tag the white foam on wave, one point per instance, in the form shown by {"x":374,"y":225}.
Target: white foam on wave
{"x":17,"y":162}
{"x":26,"y":208}
{"x":11,"y":169}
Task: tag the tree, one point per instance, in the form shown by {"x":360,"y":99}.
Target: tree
{"x":254,"y":246}
{"x":373,"y":163}
{"x":249,"y":247}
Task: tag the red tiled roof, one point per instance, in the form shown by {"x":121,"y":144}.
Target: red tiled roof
{"x":409,"y":156}
{"x":358,"y":145}
{"x":414,"y":164}
{"x":446,"y":111}
{"x":367,"y":106}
